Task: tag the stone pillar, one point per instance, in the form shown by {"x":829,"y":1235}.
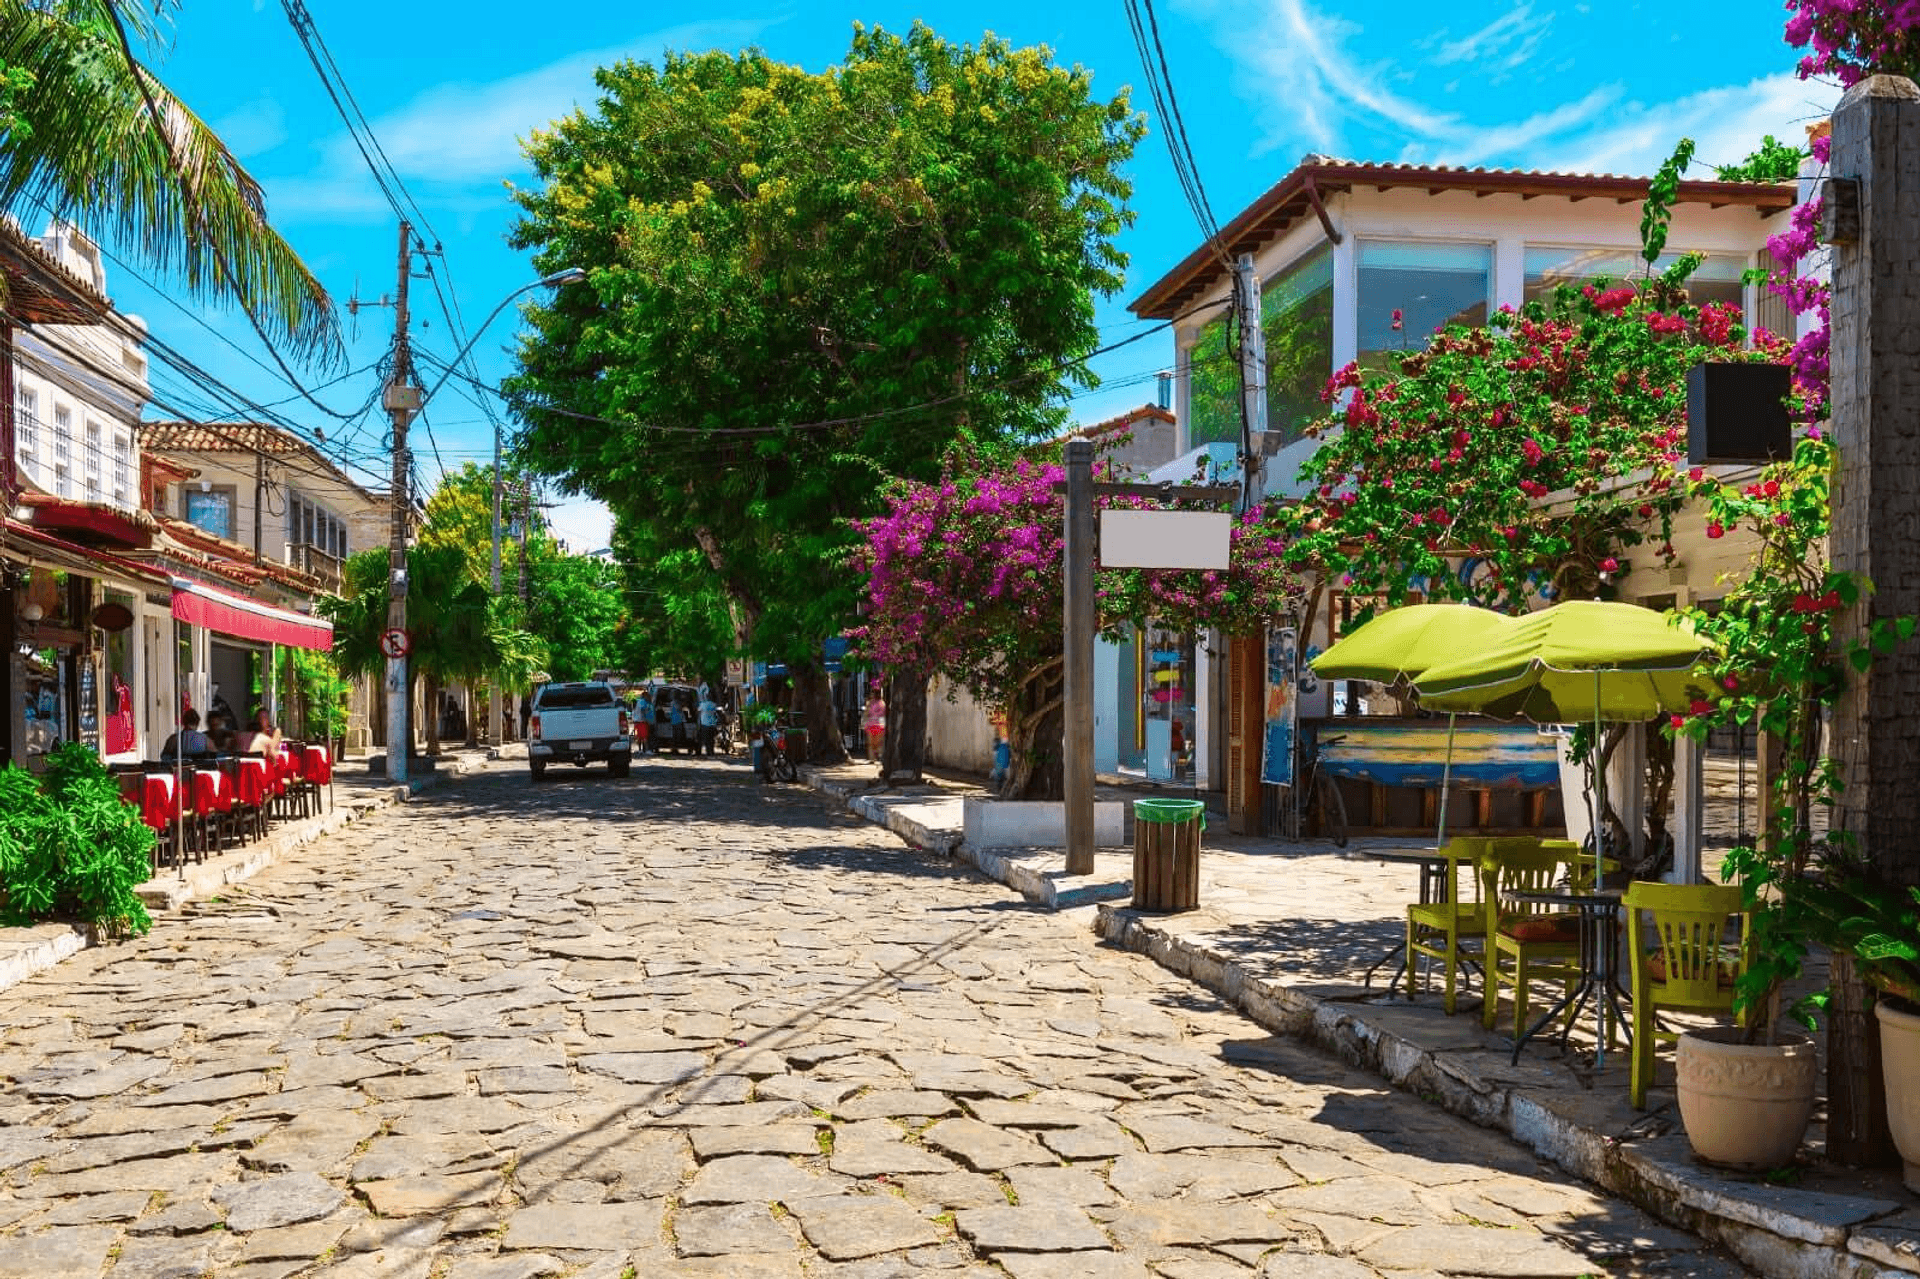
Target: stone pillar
{"x":1876,"y":527}
{"x":1689,"y":810}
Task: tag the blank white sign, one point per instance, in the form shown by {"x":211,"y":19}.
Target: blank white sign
{"x":1164,"y":539}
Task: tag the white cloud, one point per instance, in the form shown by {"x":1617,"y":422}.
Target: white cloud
{"x":1297,"y":65}
{"x":1517,"y":25}
{"x":1726,"y":122}
{"x":453,"y":143}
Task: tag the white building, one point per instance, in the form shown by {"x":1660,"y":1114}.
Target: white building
{"x":79,"y":391}
{"x":1357,"y":261}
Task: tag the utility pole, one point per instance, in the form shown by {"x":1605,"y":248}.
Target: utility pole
{"x":1253,"y":380}
{"x":1077,"y":696}
{"x":402,"y":400}
{"x":496,"y":727}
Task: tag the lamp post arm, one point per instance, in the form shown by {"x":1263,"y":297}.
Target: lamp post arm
{"x":569,"y":276}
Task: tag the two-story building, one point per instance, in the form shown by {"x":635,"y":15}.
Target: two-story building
{"x":1358,"y":261}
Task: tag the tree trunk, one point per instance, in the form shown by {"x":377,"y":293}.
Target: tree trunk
{"x":474,"y":703}
{"x":1036,"y":736}
{"x":813,"y":698}
{"x":905,"y":748}
{"x":432,"y":714}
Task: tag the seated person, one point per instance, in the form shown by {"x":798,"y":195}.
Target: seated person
{"x":189,"y":741}
{"x":259,"y":737}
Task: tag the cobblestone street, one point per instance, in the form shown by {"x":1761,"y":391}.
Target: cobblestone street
{"x":687,"y":1025}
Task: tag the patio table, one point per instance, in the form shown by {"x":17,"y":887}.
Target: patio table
{"x":1598,"y":913}
{"x":1439,"y":873}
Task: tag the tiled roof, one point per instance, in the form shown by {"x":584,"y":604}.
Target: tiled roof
{"x":1299,"y":196}
{"x":1152,"y":411}
{"x":41,"y":290}
{"x":220,"y":437}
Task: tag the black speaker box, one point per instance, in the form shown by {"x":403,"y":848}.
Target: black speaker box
{"x":1738,"y":413}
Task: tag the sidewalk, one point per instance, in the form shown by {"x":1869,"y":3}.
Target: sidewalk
{"x":1286,"y":933}
{"x":38,"y":947}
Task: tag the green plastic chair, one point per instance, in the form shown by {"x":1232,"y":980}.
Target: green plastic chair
{"x":1439,"y":929}
{"x":1525,"y":943}
{"x":1677,"y":944}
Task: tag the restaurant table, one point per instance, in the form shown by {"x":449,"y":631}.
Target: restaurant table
{"x":1439,"y":873}
{"x":1598,"y":914}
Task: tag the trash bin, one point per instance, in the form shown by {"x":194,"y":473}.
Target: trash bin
{"x":1166,"y":853}
{"x":796,"y":743}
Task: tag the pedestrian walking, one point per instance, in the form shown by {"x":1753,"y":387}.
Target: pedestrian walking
{"x":643,"y":715}
{"x":876,"y":725}
{"x":709,"y":716}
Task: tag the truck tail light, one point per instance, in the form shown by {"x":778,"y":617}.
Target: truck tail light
{"x":533,"y":727}
{"x":626,"y":723}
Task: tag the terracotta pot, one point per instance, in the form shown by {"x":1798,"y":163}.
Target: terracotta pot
{"x":1745,"y":1105}
{"x":1900,"y":1064}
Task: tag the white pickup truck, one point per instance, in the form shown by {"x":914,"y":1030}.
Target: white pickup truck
{"x":579,"y":723}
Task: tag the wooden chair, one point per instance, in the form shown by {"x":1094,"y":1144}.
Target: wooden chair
{"x":1436,"y":929}
{"x":1541,"y":944}
{"x":1677,"y":945}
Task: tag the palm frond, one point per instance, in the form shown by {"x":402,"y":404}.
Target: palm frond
{"x":157,"y":182}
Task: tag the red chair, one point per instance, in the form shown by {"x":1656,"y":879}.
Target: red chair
{"x":212,"y":803}
{"x":316,"y":770}
{"x":158,"y":811}
{"x":252,"y":792}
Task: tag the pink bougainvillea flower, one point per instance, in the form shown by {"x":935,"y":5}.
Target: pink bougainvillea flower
{"x":1609,"y":565}
{"x":1677,"y":721}
{"x":1716,"y":529}
{"x":1398,"y":319}
{"x":1700,"y":706}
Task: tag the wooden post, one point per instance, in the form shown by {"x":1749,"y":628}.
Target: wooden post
{"x":1875,"y":509}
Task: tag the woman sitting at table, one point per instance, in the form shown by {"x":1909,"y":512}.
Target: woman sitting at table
{"x":260,"y":737}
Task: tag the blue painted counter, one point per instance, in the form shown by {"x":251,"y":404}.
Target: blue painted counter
{"x":1486,"y":755}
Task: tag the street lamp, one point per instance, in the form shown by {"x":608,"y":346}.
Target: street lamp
{"x":571,"y":275}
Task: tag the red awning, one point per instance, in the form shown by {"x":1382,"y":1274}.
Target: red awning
{"x":231,"y":614}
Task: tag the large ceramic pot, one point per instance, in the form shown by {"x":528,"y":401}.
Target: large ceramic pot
{"x":1900,"y":1064}
{"x":1745,"y":1105}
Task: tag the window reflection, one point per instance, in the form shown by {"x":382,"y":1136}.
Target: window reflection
{"x":1409,"y":289}
{"x":1718,"y":278}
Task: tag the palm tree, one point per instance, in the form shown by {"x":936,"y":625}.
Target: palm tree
{"x":89,"y":131}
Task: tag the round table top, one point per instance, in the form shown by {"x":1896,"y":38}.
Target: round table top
{"x":1417,"y":856}
{"x":1608,"y":897}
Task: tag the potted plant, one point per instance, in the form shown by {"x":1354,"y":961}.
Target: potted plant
{"x":1851,"y":909}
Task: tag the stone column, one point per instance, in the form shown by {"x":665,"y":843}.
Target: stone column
{"x":1876,"y":528}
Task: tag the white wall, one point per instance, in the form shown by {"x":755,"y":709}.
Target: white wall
{"x":961,"y":737}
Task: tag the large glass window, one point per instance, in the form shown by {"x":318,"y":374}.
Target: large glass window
{"x":1296,"y":315}
{"x":1718,"y":278}
{"x":1408,"y":289}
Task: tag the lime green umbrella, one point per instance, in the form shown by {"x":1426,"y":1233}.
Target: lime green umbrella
{"x":1402,"y":644}
{"x":1578,"y":662}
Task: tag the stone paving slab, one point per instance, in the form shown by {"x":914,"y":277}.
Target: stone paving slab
{"x":1287,"y":932}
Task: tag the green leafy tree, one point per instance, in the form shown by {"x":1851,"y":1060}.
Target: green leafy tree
{"x":458,"y":631}
{"x":576,"y":608}
{"x":678,"y":620}
{"x":86,"y":129}
{"x":770,"y":250}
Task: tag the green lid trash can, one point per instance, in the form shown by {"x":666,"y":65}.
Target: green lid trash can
{"x":1166,"y":853}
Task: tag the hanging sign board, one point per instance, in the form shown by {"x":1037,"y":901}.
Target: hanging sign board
{"x":1282,"y":713}
{"x":1164,"y":539}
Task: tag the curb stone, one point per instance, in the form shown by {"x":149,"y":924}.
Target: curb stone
{"x":1780,"y":1232}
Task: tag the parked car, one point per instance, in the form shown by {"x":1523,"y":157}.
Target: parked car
{"x":583,"y":723}
{"x":666,"y":736}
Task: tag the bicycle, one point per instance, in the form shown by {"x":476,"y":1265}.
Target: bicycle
{"x":1320,"y":803}
{"x":775,"y":766}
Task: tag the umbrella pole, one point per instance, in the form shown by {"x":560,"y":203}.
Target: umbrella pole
{"x":1446,"y":782}
{"x":1599,"y":871}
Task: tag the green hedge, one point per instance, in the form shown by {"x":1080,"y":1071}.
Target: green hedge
{"x":71,"y":847}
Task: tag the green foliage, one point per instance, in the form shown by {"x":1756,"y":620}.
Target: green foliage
{"x":924,"y":224}
{"x":1774,"y":161}
{"x":1780,"y":667}
{"x":323,"y":693}
{"x":457,"y":632}
{"x":83,"y":140}
{"x":576,"y":609}
{"x":71,"y":845}
{"x":1656,"y":215}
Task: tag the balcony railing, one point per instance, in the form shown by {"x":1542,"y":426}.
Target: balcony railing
{"x":315,"y":562}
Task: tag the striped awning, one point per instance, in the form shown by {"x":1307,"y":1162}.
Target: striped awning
{"x":236,"y":615}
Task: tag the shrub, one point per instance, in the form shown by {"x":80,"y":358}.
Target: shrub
{"x":71,"y":846}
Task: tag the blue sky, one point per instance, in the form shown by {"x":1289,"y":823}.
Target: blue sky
{"x":450,"y":87}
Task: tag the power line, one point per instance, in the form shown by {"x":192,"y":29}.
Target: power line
{"x":523,"y":404}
